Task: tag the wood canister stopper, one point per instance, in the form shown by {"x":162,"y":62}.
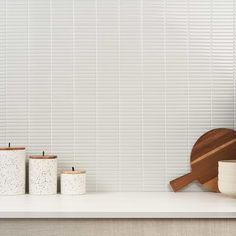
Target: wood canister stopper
{"x":43,"y":157}
{"x":11,"y":148}
{"x":74,"y":172}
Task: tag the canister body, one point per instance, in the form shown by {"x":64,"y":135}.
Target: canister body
{"x":227,"y":177}
{"x":43,"y":176}
{"x":73,"y":183}
{"x":12,"y":172}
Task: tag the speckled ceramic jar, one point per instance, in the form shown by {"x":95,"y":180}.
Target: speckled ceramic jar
{"x":12,"y":171}
{"x":73,"y":182}
{"x":43,"y":175}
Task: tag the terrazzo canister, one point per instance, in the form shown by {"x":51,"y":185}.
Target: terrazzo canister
{"x":12,"y":170}
{"x":73,"y":182}
{"x":43,"y":174}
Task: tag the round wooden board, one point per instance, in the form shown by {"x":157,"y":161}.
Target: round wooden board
{"x":213,"y":146}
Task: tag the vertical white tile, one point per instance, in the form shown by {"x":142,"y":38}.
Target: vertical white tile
{"x":200,"y":79}
{"x":130,"y":96}
{"x":107,"y":88}
{"x":176,"y":88}
{"x":153,"y":96}
{"x":39,"y":52}
{"x":222,"y":64}
{"x":16,"y":72}
{"x":2,"y":72}
{"x":200,"y":92}
{"x":62,"y":79}
{"x":85,"y":88}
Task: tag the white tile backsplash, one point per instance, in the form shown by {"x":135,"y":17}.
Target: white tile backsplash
{"x":121,"y":88}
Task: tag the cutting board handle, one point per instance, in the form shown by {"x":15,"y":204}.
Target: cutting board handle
{"x":181,"y":181}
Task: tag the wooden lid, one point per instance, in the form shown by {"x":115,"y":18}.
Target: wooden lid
{"x":74,"y":172}
{"x":43,"y":157}
{"x":11,"y":148}
{"x":228,"y":161}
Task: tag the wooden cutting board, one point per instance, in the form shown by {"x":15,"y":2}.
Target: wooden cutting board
{"x":213,"y":146}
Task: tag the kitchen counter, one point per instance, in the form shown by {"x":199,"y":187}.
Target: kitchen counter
{"x":120,"y":205}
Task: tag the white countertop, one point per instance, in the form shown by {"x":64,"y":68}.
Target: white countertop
{"x":120,"y":205}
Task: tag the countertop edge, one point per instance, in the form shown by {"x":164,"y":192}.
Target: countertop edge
{"x":117,"y":215}
{"x":194,"y":205}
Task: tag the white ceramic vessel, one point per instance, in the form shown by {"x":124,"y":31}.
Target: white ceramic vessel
{"x":73,"y":182}
{"x":43,"y":175}
{"x":227,"y":177}
{"x":12,"y":171}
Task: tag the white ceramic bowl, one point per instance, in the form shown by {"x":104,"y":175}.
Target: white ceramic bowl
{"x":227,"y":177}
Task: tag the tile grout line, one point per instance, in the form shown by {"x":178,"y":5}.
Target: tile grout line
{"x":188,"y":85}
{"x":6,"y":74}
{"x":234,"y":65}
{"x":165,"y":159}
{"x":28,"y":79}
{"x":119,"y":67}
{"x":51,"y":74}
{"x":96,"y":69}
{"x":211,"y":83}
{"x":141,"y":39}
{"x":73,"y":78}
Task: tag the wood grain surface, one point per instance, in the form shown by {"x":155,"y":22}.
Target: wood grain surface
{"x":213,"y":146}
{"x":118,"y":227}
{"x":11,"y":148}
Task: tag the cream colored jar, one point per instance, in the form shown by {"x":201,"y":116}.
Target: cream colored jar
{"x":73,"y":182}
{"x":227,"y":177}
{"x":43,"y":174}
{"x":12,"y":171}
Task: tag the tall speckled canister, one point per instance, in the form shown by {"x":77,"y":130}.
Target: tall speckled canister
{"x":43,"y":174}
{"x":12,"y":170}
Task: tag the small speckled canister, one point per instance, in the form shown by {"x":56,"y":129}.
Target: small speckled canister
{"x":73,"y":182}
{"x":43,"y":174}
{"x":12,"y":171}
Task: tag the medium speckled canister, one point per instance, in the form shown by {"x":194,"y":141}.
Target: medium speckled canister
{"x":12,"y":171}
{"x":43,"y":174}
{"x":73,"y":182}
